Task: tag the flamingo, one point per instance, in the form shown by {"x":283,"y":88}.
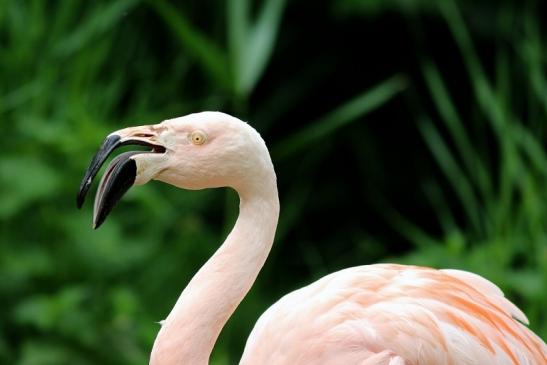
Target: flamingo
{"x":375,"y":314}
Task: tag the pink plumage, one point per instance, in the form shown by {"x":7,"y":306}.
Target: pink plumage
{"x":393,"y":314}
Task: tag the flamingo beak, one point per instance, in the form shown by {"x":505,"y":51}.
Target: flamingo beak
{"x":120,"y":174}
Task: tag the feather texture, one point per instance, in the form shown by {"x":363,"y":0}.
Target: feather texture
{"x":418,"y":315}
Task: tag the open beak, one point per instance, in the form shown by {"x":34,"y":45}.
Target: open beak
{"x":120,"y":174}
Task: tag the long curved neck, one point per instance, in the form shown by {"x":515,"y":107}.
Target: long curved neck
{"x":190,"y":331}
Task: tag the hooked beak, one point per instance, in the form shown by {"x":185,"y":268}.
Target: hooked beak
{"x":120,"y":174}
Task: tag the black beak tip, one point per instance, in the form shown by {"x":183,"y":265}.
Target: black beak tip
{"x":109,"y":144}
{"x":79,"y":200}
{"x":100,"y":217}
{"x":82,"y":192}
{"x":118,"y":182}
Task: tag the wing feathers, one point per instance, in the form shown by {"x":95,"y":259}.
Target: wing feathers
{"x":489,"y":289}
{"x":389,"y":314}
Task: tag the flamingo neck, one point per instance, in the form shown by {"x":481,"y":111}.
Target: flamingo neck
{"x":190,"y":331}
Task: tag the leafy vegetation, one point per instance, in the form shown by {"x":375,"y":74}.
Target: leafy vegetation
{"x":404,"y":131}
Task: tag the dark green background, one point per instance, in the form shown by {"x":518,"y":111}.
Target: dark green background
{"x":407,"y":131}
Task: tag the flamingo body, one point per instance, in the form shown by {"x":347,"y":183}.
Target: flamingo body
{"x":394,"y":314}
{"x":367,"y":315}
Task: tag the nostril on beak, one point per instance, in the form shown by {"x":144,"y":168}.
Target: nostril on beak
{"x":159,"y":149}
{"x":144,"y":135}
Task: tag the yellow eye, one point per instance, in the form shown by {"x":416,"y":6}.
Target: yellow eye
{"x":198,"y":137}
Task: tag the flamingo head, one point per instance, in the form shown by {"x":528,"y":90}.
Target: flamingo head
{"x":197,"y":151}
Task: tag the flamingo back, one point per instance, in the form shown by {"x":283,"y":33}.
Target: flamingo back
{"x":397,"y":315}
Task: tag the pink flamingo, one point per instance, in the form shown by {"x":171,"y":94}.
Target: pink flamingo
{"x":376,"y":314}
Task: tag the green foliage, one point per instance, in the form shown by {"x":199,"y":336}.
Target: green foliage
{"x":349,"y":112}
{"x":503,"y":200}
{"x":71,"y":72}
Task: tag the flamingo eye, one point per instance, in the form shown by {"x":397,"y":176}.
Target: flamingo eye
{"x":198,"y":137}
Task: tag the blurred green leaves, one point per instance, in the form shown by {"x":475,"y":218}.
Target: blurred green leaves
{"x":72,"y":72}
{"x":207,"y":53}
{"x":350,"y":111}
{"x":18,"y":187}
{"x":250,"y":43}
{"x":100,"y":21}
{"x":500,"y":185}
{"x":63,"y":311}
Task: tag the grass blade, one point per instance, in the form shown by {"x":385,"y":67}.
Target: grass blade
{"x":452,"y":171}
{"x":532,"y":147}
{"x":261,"y":43}
{"x":97,"y":24}
{"x":402,"y":225}
{"x":238,"y":27}
{"x":204,"y":50}
{"x":441,"y":206}
{"x":497,"y":114}
{"x":532,"y":52}
{"x":481,"y":86}
{"x":344,"y":114}
{"x":455,"y":126}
